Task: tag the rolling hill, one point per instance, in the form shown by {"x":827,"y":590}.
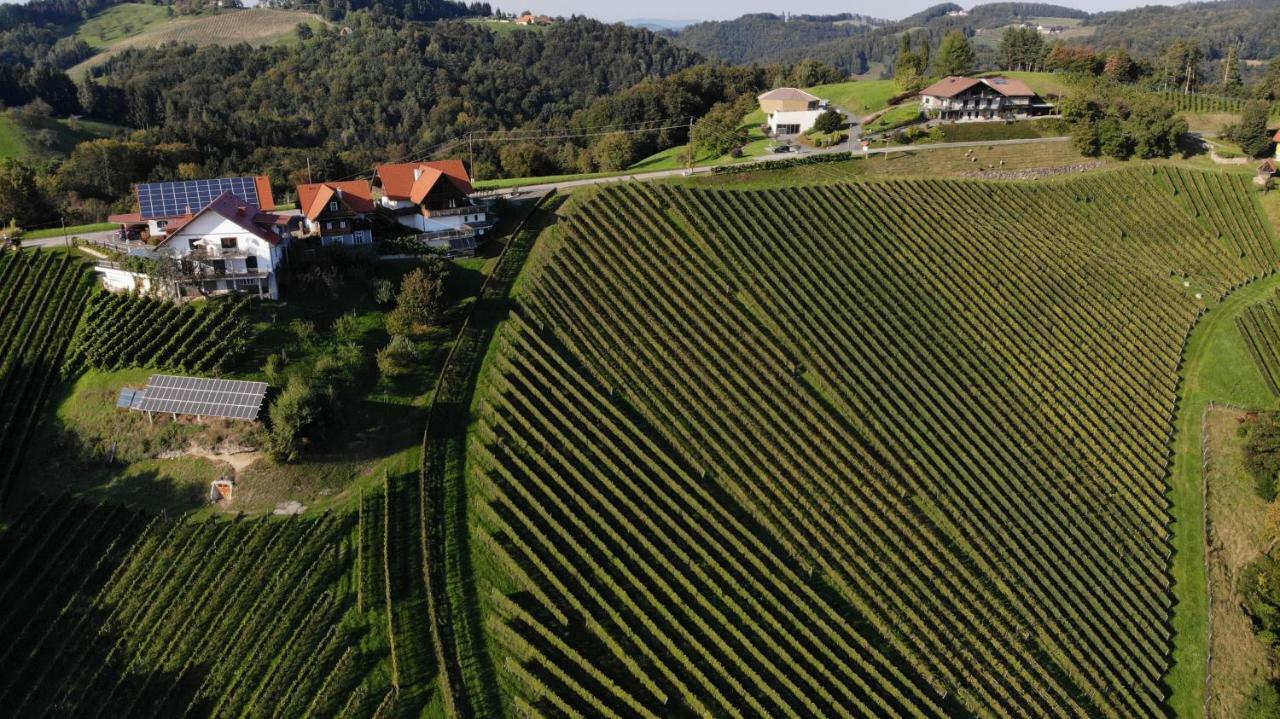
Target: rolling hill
{"x":132,"y":25}
{"x":832,"y":449}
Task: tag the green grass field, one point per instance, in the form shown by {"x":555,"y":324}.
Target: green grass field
{"x":859,"y":98}
{"x":20,"y":141}
{"x":894,"y":118}
{"x":136,"y":25}
{"x":70,"y":231}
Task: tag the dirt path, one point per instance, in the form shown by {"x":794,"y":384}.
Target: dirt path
{"x":239,"y":460}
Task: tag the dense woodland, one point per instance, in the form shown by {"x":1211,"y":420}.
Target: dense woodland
{"x":1248,"y":26}
{"x":381,"y":87}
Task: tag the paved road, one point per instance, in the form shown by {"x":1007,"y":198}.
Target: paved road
{"x":59,"y":242}
{"x":706,"y":169}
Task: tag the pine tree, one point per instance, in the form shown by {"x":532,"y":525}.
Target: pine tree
{"x":955,"y":55}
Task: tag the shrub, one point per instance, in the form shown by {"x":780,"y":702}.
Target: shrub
{"x":384,"y":293}
{"x":274,"y":369}
{"x":297,"y":421}
{"x":397,"y":358}
{"x":421,"y":298}
{"x":347,"y":328}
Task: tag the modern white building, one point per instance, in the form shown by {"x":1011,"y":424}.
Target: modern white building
{"x":790,"y":110}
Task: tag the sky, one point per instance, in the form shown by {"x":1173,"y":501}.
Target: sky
{"x":614,"y":10}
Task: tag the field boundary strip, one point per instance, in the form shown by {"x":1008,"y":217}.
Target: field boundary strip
{"x":446,"y":567}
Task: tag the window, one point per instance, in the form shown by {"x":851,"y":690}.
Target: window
{"x":333,"y":206}
{"x":228,"y":243}
{"x":343,"y":224}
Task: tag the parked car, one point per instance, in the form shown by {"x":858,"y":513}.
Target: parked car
{"x":782,"y":148}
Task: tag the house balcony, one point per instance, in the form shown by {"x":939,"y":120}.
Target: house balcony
{"x":205,"y":254}
{"x":452,"y":211}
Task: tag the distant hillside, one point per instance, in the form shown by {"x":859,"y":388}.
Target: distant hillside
{"x":766,"y":38}
{"x":1253,"y":24}
{"x":852,"y":49}
{"x":851,"y":43}
{"x":135,"y":25}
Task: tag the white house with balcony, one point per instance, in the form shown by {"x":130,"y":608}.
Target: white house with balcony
{"x":981,"y":98}
{"x":229,"y":245}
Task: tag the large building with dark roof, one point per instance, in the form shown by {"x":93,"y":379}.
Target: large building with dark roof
{"x":981,"y":98}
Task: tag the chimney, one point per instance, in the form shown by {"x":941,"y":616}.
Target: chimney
{"x":417,"y":172}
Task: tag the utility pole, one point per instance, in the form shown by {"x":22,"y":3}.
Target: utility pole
{"x":471,"y":156}
{"x":309,"y":170}
{"x":65,"y":240}
{"x":690,"y":145}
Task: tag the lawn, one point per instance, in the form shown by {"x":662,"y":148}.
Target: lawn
{"x":503,"y":28}
{"x":131,"y":25}
{"x":1045,"y":84}
{"x":896,"y":117}
{"x":989,"y":131}
{"x":859,"y":98}
{"x":1217,"y":367}
{"x":23,"y":142}
{"x":758,"y":144}
{"x":70,"y":231}
{"x":1237,"y":530}
{"x":120,"y":22}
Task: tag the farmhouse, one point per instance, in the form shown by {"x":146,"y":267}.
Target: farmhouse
{"x":229,"y":246}
{"x":987,"y":98}
{"x":529,"y":18}
{"x":790,"y":110}
{"x":434,"y":199}
{"x":205,"y":237}
{"x":337,"y":213}
{"x":1271,"y":167}
{"x":163,"y":204}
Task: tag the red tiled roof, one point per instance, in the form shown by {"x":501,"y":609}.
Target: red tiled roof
{"x":244,"y":215}
{"x":130,"y":218}
{"x":952,"y":86}
{"x":355,"y":194}
{"x":1277,"y":137}
{"x":266,"y":202}
{"x":414,"y":180}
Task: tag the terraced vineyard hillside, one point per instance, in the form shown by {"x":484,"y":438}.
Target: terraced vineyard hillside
{"x":112,"y":612}
{"x":41,"y":297}
{"x":881,"y":449}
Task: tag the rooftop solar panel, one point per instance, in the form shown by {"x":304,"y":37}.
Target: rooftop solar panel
{"x":225,"y":398}
{"x":174,"y":199}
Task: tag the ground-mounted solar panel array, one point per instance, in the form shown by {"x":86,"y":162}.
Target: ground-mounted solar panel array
{"x":174,"y":199}
{"x":867,"y":449}
{"x":201,"y":396}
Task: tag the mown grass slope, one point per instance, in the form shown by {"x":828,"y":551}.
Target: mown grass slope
{"x":886,"y":448}
{"x":133,"y":25}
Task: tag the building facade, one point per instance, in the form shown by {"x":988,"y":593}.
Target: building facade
{"x":988,"y":98}
{"x":432,"y":198}
{"x":790,"y":111}
{"x":337,"y":213}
